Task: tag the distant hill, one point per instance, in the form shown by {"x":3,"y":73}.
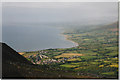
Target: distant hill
{"x":109,"y":26}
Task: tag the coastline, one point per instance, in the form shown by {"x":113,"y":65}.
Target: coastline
{"x":66,"y":37}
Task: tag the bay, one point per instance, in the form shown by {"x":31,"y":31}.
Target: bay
{"x":34,"y":37}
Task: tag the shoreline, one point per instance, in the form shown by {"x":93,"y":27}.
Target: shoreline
{"x":66,"y":37}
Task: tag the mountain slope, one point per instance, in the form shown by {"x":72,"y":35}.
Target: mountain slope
{"x":10,"y":59}
{"x":11,"y":55}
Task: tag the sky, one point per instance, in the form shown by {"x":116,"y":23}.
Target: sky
{"x":59,"y":12}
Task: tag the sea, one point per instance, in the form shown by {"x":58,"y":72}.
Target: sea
{"x":34,"y":37}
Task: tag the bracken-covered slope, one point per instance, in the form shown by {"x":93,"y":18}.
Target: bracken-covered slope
{"x":10,"y":61}
{"x":10,"y":55}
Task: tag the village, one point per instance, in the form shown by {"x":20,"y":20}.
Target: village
{"x":43,"y":59}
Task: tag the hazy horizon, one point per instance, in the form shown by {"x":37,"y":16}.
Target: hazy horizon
{"x":61,"y":12}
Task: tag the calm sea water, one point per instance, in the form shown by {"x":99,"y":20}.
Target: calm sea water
{"x":31,"y":38}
